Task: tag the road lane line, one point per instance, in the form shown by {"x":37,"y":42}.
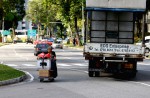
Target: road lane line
{"x":80,"y":64}
{"x":63,"y":65}
{"x":78,"y":70}
{"x":143,"y":63}
{"x":145,"y":84}
{"x":11,"y":65}
{"x":141,"y":83}
{"x":32,"y":78}
{"x":28,"y":65}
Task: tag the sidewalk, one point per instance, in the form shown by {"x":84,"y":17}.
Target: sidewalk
{"x":74,"y":47}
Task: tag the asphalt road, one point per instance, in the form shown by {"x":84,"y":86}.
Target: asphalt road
{"x":72,"y":80}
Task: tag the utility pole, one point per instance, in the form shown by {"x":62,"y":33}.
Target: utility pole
{"x":83,"y":27}
{"x":1,"y":7}
{"x":3,"y":29}
{"x":143,"y":30}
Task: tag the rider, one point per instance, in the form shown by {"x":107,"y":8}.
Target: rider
{"x":53,"y":61}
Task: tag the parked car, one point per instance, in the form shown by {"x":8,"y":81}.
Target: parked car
{"x":66,"y":41}
{"x":59,"y":39}
{"x":41,"y":47}
{"x":36,"y":42}
{"x":57,"y":44}
{"x":29,"y":40}
{"x":147,"y":44}
{"x":51,"y":39}
{"x":16,"y":40}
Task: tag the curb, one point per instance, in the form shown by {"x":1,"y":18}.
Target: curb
{"x":12,"y":81}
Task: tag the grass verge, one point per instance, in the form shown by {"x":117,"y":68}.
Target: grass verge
{"x":7,"y":72}
{"x":2,"y":44}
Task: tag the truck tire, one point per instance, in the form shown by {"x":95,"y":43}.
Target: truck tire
{"x":91,"y":73}
{"x":41,"y":79}
{"x":125,"y":73}
{"x":92,"y":67}
{"x":132,"y":74}
{"x":97,"y":74}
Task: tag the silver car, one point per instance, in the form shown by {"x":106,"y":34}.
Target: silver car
{"x":57,"y":44}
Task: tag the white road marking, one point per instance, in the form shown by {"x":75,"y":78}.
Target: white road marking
{"x":11,"y":65}
{"x":80,"y":64}
{"x":145,"y":84}
{"x":32,"y":78}
{"x":143,"y":63}
{"x":63,"y":58}
{"x":28,"y":65}
{"x":63,"y":65}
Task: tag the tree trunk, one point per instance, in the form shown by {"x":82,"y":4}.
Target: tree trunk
{"x":1,"y":13}
{"x":70,"y":31}
{"x":0,"y":24}
{"x":77,"y":33}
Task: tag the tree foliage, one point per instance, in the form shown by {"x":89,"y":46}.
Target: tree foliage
{"x":147,"y":5}
{"x":69,"y":12}
{"x":12,"y":11}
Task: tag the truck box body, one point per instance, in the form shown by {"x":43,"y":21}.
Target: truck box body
{"x":113,"y":49}
{"x":109,"y":37}
{"x":112,"y":32}
{"x":128,"y":4}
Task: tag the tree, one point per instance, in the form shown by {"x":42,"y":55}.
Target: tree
{"x":12,"y":11}
{"x":67,"y":11}
{"x":148,"y":5}
{"x":70,"y":13}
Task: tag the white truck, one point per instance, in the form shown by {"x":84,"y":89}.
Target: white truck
{"x":109,"y":36}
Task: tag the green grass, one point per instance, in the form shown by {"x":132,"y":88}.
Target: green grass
{"x":7,"y":72}
{"x":2,"y":44}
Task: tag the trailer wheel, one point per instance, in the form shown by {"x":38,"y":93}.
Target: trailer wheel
{"x":51,"y":79}
{"x":41,"y":79}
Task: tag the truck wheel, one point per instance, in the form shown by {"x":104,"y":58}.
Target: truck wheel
{"x":91,"y":73}
{"x":96,"y":74}
{"x":134,"y":70}
{"x":131,"y":73}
